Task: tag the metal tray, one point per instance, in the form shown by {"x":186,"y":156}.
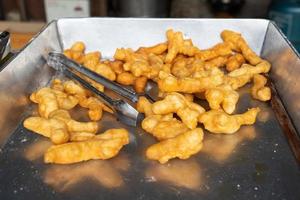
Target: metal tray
{"x":255,"y":163}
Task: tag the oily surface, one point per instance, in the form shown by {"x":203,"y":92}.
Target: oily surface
{"x":248,"y":162}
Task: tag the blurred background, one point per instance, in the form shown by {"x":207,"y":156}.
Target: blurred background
{"x":23,"y":18}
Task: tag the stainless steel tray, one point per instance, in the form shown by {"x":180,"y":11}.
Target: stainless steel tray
{"x":255,"y":163}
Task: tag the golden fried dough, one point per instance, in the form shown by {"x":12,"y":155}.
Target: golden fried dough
{"x":203,"y":81}
{"x":120,"y":133}
{"x":56,"y":84}
{"x":90,"y":60}
{"x":177,"y":103}
{"x":189,"y":116}
{"x":170,"y":104}
{"x":144,"y":106}
{"x":239,"y":44}
{"x":60,"y":114}
{"x":47,"y":101}
{"x":259,"y":91}
{"x":81,"y":136}
{"x":105,"y":70}
{"x":95,"y":148}
{"x":140,"y":64}
{"x":234,"y":62}
{"x":241,"y":76}
{"x":263,"y":67}
{"x":217,"y":121}
{"x":216,"y":62}
{"x":76,"y":52}
{"x":73,"y":125}
{"x":125,"y":78}
{"x":177,"y":45}
{"x":156,"y":49}
{"x":222,"y":96}
{"x":237,"y":81}
{"x":95,"y":107}
{"x":189,"y":97}
{"x":219,"y":50}
{"x":64,"y":100}
{"x":163,"y":127}
{"x":182,"y":146}
{"x":116,"y":66}
{"x":136,"y":63}
{"x":54,"y":129}
{"x":140,"y":84}
{"x":75,"y":89}
{"x":78,"y":46}
{"x":186,"y":67}
{"x":58,"y":126}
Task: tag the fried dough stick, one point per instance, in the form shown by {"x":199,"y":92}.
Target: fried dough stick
{"x":73,"y":125}
{"x":216,"y":62}
{"x":217,"y":121}
{"x":50,"y":99}
{"x":263,"y":67}
{"x":160,"y":126}
{"x":170,"y":83}
{"x":223,"y":96}
{"x":54,"y":129}
{"x":177,"y":45}
{"x":139,"y":64}
{"x":103,"y":146}
{"x":163,"y":126}
{"x":239,"y":77}
{"x":76,"y":52}
{"x":75,"y":89}
{"x":234,"y":62}
{"x":90,"y":60}
{"x":94,"y":105}
{"x":144,"y":106}
{"x":46,"y":100}
{"x":186,"y":67}
{"x":177,"y":103}
{"x":219,"y":50}
{"x":59,"y":126}
{"x":182,"y":146}
{"x":240,"y":45}
{"x":259,"y":91}
{"x":156,"y":49}
{"x":65,"y":100}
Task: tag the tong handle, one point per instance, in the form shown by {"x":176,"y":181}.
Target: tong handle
{"x":4,"y":42}
{"x":107,"y":100}
{"x":68,"y":63}
{"x":5,"y":50}
{"x":123,"y":111}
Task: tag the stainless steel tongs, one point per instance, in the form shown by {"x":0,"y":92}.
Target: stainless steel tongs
{"x":124,"y":111}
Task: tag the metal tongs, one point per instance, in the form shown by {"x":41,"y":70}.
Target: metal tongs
{"x":5,"y":50}
{"x":123,"y":110}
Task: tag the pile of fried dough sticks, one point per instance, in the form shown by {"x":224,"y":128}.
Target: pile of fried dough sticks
{"x":182,"y":71}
